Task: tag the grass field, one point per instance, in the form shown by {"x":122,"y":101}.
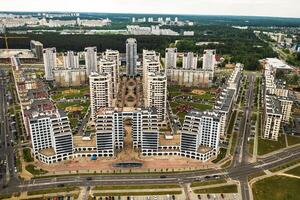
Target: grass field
{"x":222,"y":189}
{"x":213,"y":182}
{"x":221,"y":155}
{"x":295,"y":171}
{"x":277,"y":188}
{"x":134,"y":187}
{"x":292,"y":140}
{"x":266,"y":146}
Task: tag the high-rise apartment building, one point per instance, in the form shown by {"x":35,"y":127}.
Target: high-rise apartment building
{"x":209,"y":60}
{"x":71,"y":60}
{"x":155,"y":94}
{"x":109,"y":66}
{"x":200,"y":134}
{"x":272,"y":118}
{"x":90,"y":60}
{"x":37,"y":48}
{"x":131,"y":57}
{"x":189,"y":61}
{"x":100,"y":92}
{"x":171,"y":58}
{"x":110,"y":136}
{"x":51,"y":136}
{"x":49,"y":55}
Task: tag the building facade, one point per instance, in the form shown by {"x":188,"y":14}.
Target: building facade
{"x":49,"y":56}
{"x":131,"y":57}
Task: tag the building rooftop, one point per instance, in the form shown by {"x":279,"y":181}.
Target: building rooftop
{"x":272,"y":105}
{"x":169,"y":142}
{"x":224,"y":100}
{"x":204,"y":149}
{"x":79,"y":142}
{"x":48,"y":151}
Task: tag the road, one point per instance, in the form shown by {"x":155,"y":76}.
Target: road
{"x":241,"y":153}
{"x":237,"y":173}
{"x":7,"y":151}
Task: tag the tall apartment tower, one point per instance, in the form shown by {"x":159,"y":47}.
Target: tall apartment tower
{"x":155,"y":93}
{"x":189,"y":61}
{"x":112,"y":55}
{"x":131,"y":57}
{"x":90,"y":60}
{"x":100,"y":92}
{"x":109,"y":66}
{"x":51,"y":136}
{"x":170,"y":58}
{"x":49,"y":56}
{"x":209,"y":60}
{"x":273,"y":117}
{"x":71,"y":60}
{"x":37,"y":48}
{"x":200,"y":134}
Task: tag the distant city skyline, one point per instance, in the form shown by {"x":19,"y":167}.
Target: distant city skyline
{"x":273,"y":8}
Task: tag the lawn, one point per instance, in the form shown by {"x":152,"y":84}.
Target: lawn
{"x":285,"y":165}
{"x":74,"y":120}
{"x":53,"y":190}
{"x":59,"y":93}
{"x":258,"y":174}
{"x":292,"y":140}
{"x":27,"y":155}
{"x":34,"y":171}
{"x":134,"y":187}
{"x":266,"y":146}
{"x":295,"y":171}
{"x":222,"y":189}
{"x":221,"y":155}
{"x":277,"y":188}
{"x":233,"y":142}
{"x":135,"y":193}
{"x":204,"y":183}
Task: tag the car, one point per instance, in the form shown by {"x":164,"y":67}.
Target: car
{"x":199,"y":196}
{"x":163,"y":176}
{"x":216,"y":176}
{"x":61,"y":185}
{"x":207,"y":177}
{"x":222,"y":196}
{"x":173,"y":197}
{"x":208,"y":196}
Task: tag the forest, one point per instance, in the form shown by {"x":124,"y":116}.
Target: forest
{"x":238,"y":45}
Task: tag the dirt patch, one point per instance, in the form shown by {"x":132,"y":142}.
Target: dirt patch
{"x":74,"y":108}
{"x":199,"y":92}
{"x":71,"y":91}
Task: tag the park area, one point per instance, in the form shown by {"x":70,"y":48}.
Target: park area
{"x":70,"y":93}
{"x":72,"y":100}
{"x":184,"y":99}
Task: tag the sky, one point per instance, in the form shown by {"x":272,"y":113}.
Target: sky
{"x":276,"y":8}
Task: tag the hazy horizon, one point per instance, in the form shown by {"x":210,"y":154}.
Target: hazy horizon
{"x":251,"y":8}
